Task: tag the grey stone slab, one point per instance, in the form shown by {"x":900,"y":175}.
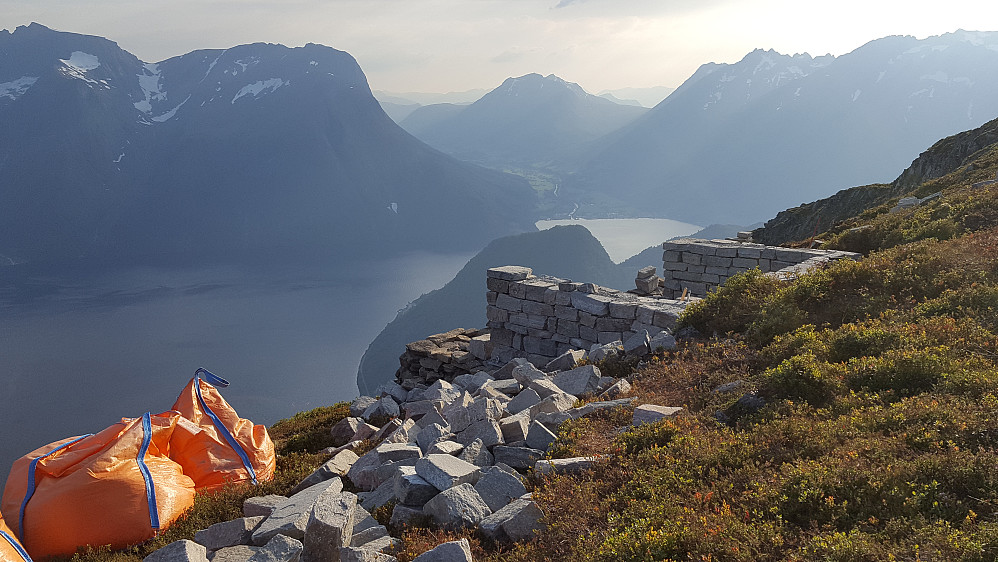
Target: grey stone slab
{"x":262,"y":505}
{"x":383,"y":494}
{"x":460,"y":506}
{"x":596,"y":305}
{"x":330,"y":527}
{"x":412,"y":489}
{"x":362,"y":474}
{"x":497,"y":488}
{"x":454,"y":551}
{"x":446,"y":448}
{"x":405,"y":431}
{"x":650,"y":413}
{"x":430,"y":435}
{"x":525,"y":522}
{"x":343,"y":431}
{"x":368,"y":535}
{"x":554,"y":403}
{"x":477,"y":454}
{"x":393,"y":452}
{"x":664,"y":341}
{"x":335,"y":467}
{"x":544,"y":387}
{"x":179,"y":551}
{"x":291,"y":517}
{"x":360,"y":404}
{"x":616,"y":390}
{"x":403,"y":514}
{"x":522,"y":401}
{"x":510,"y":272}
{"x":521,"y":458}
{"x":228,"y":533}
{"x":239,"y":553}
{"x":514,"y":428}
{"x":638,"y":344}
{"x":388,"y":470}
{"x":527,"y":373}
{"x":445,"y":471}
{"x":578,"y":381}
{"x":539,"y":437}
{"x":486,"y":430}
{"x":279,"y":549}
{"x":573,"y":465}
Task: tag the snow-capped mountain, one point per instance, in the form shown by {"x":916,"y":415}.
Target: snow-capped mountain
{"x":255,"y":152}
{"x":526,"y":120}
{"x":739,"y":142}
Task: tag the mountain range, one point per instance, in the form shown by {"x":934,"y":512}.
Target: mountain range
{"x":528,"y":120}
{"x":740,"y":142}
{"x":257,"y":153}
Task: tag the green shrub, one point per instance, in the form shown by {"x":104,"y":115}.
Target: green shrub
{"x":803,"y":378}
{"x":900,"y":372}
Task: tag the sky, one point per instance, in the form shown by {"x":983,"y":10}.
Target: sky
{"x":458,"y":45}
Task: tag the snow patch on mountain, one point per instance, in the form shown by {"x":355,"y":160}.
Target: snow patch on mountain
{"x":169,"y":114}
{"x":16,"y":88}
{"x":261,"y":87}
{"x":149,"y":81}
{"x":77,"y":66}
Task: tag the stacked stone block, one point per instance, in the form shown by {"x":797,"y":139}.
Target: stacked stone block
{"x":700,"y":266}
{"x":541,"y":317}
{"x":443,"y":357}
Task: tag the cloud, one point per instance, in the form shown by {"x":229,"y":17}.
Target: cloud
{"x":566,"y":3}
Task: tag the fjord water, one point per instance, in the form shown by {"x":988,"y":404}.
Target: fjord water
{"x":623,"y":238}
{"x":77,"y":354}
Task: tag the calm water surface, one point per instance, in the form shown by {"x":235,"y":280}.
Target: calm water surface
{"x":623,"y":238}
{"x":75,"y":356}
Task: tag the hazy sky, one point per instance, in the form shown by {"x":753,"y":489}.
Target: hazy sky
{"x":454,"y":45}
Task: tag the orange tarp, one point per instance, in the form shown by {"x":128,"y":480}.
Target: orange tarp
{"x":135,"y":478}
{"x":203,"y":449}
{"x":10,"y":548}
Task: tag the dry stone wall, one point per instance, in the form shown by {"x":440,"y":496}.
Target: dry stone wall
{"x":700,"y":266}
{"x":541,"y":317}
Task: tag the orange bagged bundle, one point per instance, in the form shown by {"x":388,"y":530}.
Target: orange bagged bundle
{"x":213,"y":444}
{"x":10,"y":548}
{"x":118,"y":487}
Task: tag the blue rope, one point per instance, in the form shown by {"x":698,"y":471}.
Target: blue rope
{"x":229,"y":438}
{"x":20,"y":550}
{"x":146,"y":475}
{"x":32,"y":469}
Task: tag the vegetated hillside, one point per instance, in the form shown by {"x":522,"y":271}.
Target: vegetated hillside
{"x":943,"y":157}
{"x":258,"y":153}
{"x":845,"y":415}
{"x":526,"y":121}
{"x":741,"y":142}
{"x":563,"y":251}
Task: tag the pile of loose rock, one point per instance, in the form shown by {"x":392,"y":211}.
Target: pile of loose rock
{"x":454,"y":453}
{"x":443,"y":356}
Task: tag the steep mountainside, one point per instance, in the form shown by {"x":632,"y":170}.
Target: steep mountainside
{"x":738,"y":142}
{"x":943,"y":157}
{"x":257,"y":153}
{"x":526,"y":120}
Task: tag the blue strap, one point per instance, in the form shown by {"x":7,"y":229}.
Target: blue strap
{"x":146,"y":475}
{"x":20,"y":550}
{"x":30,"y":491}
{"x":229,"y":438}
